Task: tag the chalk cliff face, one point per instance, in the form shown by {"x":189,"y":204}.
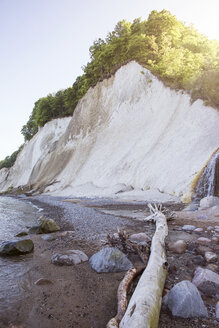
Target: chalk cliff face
{"x":130,"y":131}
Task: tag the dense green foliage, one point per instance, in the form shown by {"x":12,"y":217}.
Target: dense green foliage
{"x":10,"y":160}
{"x":176,"y":53}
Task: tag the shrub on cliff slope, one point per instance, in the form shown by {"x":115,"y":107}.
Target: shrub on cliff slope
{"x":10,"y":160}
{"x":176,"y":53}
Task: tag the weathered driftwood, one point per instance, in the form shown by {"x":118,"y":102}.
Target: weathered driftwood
{"x":144,"y":307}
{"x":122,"y":296}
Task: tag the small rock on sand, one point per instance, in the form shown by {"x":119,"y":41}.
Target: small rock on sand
{"x":43,"y":281}
{"x":203,"y":241}
{"x":70,"y":257}
{"x":210,"y":257}
{"x":178,"y":246}
{"x":21,"y":234}
{"x":188,"y":227}
{"x":198,"y":230}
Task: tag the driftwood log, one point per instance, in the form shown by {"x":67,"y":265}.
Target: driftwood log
{"x":144,"y":307}
{"x":122,"y":298}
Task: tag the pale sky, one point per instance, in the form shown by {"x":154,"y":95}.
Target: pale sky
{"x":44,"y":44}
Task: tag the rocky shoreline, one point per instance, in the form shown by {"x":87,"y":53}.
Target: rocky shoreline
{"x":76,"y":296}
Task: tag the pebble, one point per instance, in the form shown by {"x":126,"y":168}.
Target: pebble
{"x":188,"y":227}
{"x":178,"y":246}
{"x":43,"y":281}
{"x":209,"y":228}
{"x":198,"y":260}
{"x":203,"y":241}
{"x":48,"y":237}
{"x":198,"y":230}
{"x":201,"y":250}
{"x":212,"y":267}
{"x":210,"y":257}
{"x":21,"y":234}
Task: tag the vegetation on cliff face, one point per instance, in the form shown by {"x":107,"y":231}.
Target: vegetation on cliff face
{"x":178,"y":54}
{"x":10,"y":160}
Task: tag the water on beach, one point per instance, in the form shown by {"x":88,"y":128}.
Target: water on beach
{"x":15,"y":216}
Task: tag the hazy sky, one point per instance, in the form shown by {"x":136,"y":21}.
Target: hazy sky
{"x":44,"y":43}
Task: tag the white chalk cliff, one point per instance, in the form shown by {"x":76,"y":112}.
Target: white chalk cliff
{"x":129,"y":133}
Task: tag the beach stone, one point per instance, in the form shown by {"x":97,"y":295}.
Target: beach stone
{"x":16,"y":247}
{"x":188,"y":227}
{"x":110,"y":259}
{"x":48,"y":225}
{"x":35,"y":230}
{"x":178,"y":246}
{"x":184,"y":300}
{"x":201,"y":250}
{"x":21,"y":234}
{"x":209,"y":228}
{"x":206,"y":281}
{"x":48,"y":237}
{"x":43,"y":281}
{"x":191,"y":207}
{"x":198,"y":260}
{"x":203,"y":241}
{"x":198,"y":230}
{"x":210,"y":257}
{"x":217,"y":310}
{"x":212,"y":267}
{"x":209,"y":201}
{"x":140,"y":238}
{"x":191,"y":247}
{"x":70,"y":257}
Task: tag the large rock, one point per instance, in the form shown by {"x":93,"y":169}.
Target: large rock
{"x":184,"y":301}
{"x":70,"y":257}
{"x":206,"y":281}
{"x":110,"y":259}
{"x":16,"y":247}
{"x":209,"y":201}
